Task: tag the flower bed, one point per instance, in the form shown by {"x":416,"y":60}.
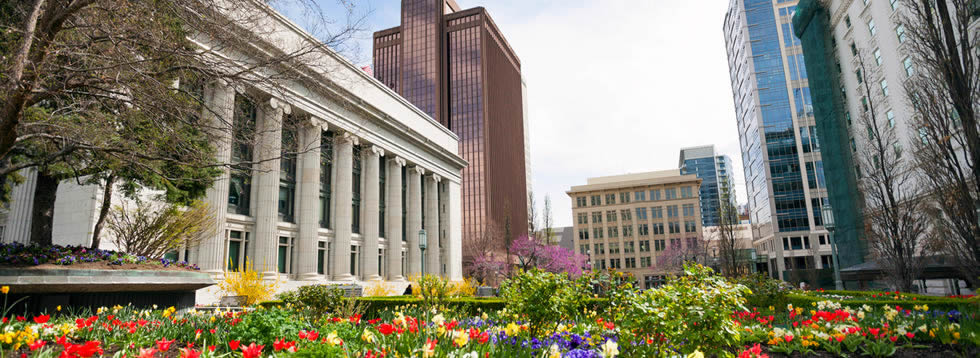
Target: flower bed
{"x":20,"y":255}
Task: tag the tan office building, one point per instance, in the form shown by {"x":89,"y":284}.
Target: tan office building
{"x":626,"y":222}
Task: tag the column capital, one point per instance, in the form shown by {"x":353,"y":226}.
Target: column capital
{"x":375,"y":151}
{"x":435,"y":177}
{"x":275,"y":103}
{"x":346,"y":136}
{"x":419,"y":170}
{"x":399,"y":161}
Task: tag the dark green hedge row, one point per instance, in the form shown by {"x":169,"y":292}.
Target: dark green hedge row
{"x":469,"y":305}
{"x":939,"y":303}
{"x":918,"y":297}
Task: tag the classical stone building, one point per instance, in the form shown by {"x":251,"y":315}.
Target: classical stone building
{"x":630,"y":222}
{"x":346,"y":174}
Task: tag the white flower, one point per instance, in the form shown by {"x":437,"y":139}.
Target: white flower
{"x":610,"y":349}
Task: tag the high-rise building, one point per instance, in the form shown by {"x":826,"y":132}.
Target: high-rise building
{"x":636,"y":223}
{"x":781,"y":155}
{"x":456,"y":66}
{"x":716,"y":180}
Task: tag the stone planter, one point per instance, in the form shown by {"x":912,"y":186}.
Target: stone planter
{"x":232,"y":301}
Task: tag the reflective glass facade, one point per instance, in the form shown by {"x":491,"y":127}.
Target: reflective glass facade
{"x":775,"y":114}
{"x":716,"y":180}
{"x":455,"y":65}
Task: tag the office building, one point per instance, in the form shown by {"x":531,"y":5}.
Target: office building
{"x":717,"y":185}
{"x":628,"y":222}
{"x":777,"y":133}
{"x":456,"y":66}
{"x":346,"y":208}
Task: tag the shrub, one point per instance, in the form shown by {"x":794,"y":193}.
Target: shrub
{"x":379,"y":288}
{"x":431,"y":289}
{"x":313,"y":300}
{"x":765,"y":291}
{"x":154,"y":230}
{"x":249,"y":283}
{"x":543,"y":298}
{"x":691,"y":312}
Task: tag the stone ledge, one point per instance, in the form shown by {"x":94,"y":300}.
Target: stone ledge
{"x":89,"y":280}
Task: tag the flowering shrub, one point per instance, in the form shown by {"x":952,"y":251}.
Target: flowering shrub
{"x":313,"y":300}
{"x":17,"y":254}
{"x":691,"y":313}
{"x":543,"y":298}
{"x":249,"y":283}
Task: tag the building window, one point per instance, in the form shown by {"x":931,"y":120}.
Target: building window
{"x":672,"y":211}
{"x":613,"y":231}
{"x":610,"y":199}
{"x":240,"y":176}
{"x":595,"y":200}
{"x":624,"y":198}
{"x":382,"y":195}
{"x":626,"y":214}
{"x":670,"y":194}
{"x":643,"y":229}
{"x":854,"y":49}
{"x":583,"y":249}
{"x":613,"y":248}
{"x":909,"y":70}
{"x":884,"y":87}
{"x":611,"y":215}
{"x":287,"y":173}
{"x":641,"y":213}
{"x":583,"y":234}
{"x":891,"y":118}
{"x":326,"y":165}
{"x":597,"y":217}
{"x":655,"y":194}
{"x":582,"y":218}
{"x":597,"y":232}
{"x":640,"y":196}
{"x":857,"y":73}
{"x":871,"y":27}
{"x":900,"y":32}
{"x":355,"y":222}
{"x":644,"y":262}
{"x":237,"y":250}
{"x":688,"y":209}
{"x":660,"y":245}
{"x":580,"y":202}
{"x":675,"y":227}
{"x":690,"y":226}
{"x":893,"y":3}
{"x":687,"y":192}
{"x":847,"y":21}
{"x":285,"y":254}
{"x":321,"y":257}
{"x":864,"y":103}
{"x":658,"y":229}
{"x":657,"y":212}
{"x":381,"y":261}
{"x":628,"y":247}
{"x":645,"y":246}
{"x":355,"y":256}
{"x":877,"y":55}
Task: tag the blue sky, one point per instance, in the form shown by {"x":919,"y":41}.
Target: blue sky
{"x":615,"y":86}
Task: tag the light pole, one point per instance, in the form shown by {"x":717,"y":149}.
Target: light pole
{"x":828,"y":223}
{"x":422,"y":245}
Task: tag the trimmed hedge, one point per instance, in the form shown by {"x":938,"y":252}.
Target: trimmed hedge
{"x":470,"y":305}
{"x":917,"y":296}
{"x":939,"y":303}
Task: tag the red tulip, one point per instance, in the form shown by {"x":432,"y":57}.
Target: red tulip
{"x":189,"y":353}
{"x":910,"y":335}
{"x":233,"y":345}
{"x":893,"y":338}
{"x":164,"y":345}
{"x":37,"y":344}
{"x":147,"y":352}
{"x":252,"y":351}
{"x":385,"y":328}
{"x":42,"y":319}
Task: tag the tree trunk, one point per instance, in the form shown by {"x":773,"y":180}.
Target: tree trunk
{"x":104,"y":211}
{"x":42,"y":217}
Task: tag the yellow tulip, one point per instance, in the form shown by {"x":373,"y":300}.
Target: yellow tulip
{"x":5,"y":289}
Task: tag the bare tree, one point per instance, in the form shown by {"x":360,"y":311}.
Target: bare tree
{"x":944,"y":92}
{"x":547,"y":220}
{"x":482,"y":256}
{"x":532,"y":214}
{"x":153,"y":230}
{"x":729,"y":244}
{"x":893,"y":195}
{"x":100,"y":85}
{"x":680,"y":251}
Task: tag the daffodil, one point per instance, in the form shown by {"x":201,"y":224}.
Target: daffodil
{"x":439,"y":319}
{"x":367,"y":336}
{"x":554,"y":351}
{"x":333,"y":339}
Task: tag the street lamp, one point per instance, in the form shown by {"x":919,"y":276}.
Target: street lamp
{"x":828,"y":223}
{"x":422,"y":245}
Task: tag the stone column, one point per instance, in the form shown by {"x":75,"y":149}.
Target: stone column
{"x":444,"y":226}
{"x":21,"y":207}
{"x":309,"y":200}
{"x":393,"y":234}
{"x":370,"y":207}
{"x":220,"y":99}
{"x":414,"y":219}
{"x":268,"y":148}
{"x":432,"y":261}
{"x":343,"y":196}
{"x":454,"y":241}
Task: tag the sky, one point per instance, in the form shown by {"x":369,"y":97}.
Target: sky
{"x":614,"y":86}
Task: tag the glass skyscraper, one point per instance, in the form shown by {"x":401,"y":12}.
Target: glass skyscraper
{"x":716,"y":180}
{"x":780,"y":153}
